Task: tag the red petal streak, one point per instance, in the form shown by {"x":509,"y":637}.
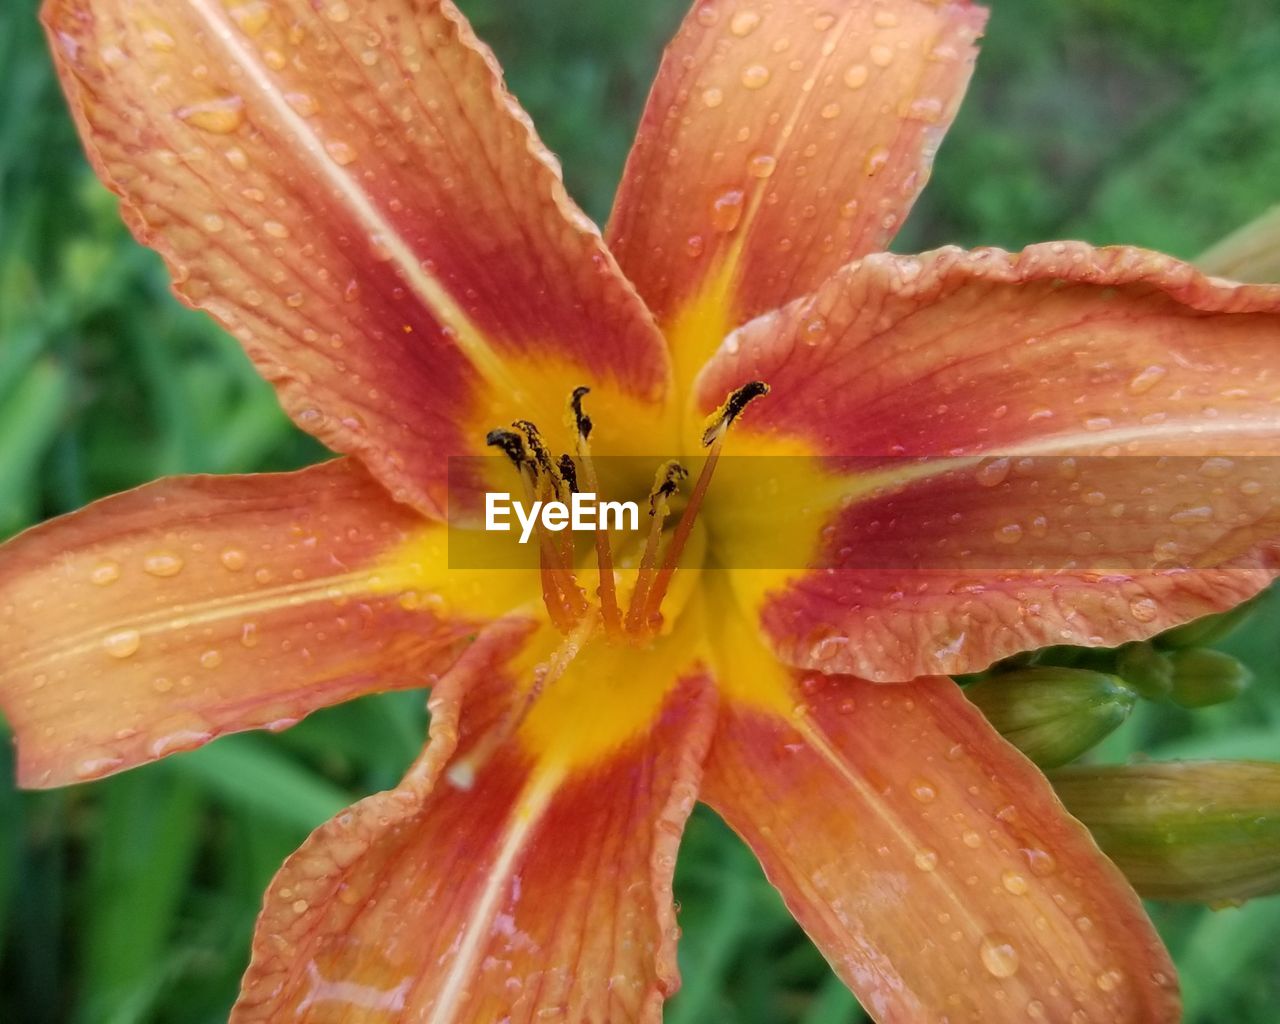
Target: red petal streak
{"x":780,"y":142}
{"x":349,"y":188}
{"x":156,"y":620}
{"x":1001,"y":367}
{"x":929,"y":861}
{"x":525,"y":896}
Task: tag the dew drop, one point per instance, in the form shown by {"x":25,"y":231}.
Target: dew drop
{"x":971,"y":839}
{"x":162,"y":563}
{"x":252,"y":17}
{"x":755,"y":76}
{"x":876,"y":160}
{"x":885,"y":19}
{"x":249,"y":634}
{"x":1009,"y":533}
{"x":694,"y":245}
{"x":1108,"y":980}
{"x":340,"y":153}
{"x":708,"y":15}
{"x":923,"y":791}
{"x":726,"y":210}
{"x":123,"y":644}
{"x":744,"y":23}
{"x":1014,"y":883}
{"x":998,"y":956}
{"x":162,"y":684}
{"x":212,"y":223}
{"x":926,"y":860}
{"x":1143,"y":609}
{"x":856,"y":76}
{"x":275,"y":229}
{"x":107,"y":571}
{"x":830,"y":111}
{"x":221,"y":116}
{"x":338,"y":12}
{"x":210,"y":659}
{"x":993,"y":472}
{"x":712,"y":97}
{"x":762,"y":165}
{"x":881,"y":56}
{"x":1147,"y":379}
{"x":1041,"y":862}
{"x":233,"y":559}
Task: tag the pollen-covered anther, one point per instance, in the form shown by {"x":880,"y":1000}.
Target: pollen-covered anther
{"x":722,"y":419}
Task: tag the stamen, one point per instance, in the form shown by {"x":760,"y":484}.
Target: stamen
{"x":580,"y":423}
{"x":712,"y":437}
{"x":560,"y":593}
{"x":665,"y":485}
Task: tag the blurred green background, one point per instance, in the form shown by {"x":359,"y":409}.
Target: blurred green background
{"x":1155,"y":122}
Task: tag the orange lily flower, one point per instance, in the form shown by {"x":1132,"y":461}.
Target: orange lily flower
{"x":347,"y":186}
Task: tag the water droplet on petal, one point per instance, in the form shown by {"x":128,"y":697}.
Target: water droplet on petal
{"x":762,"y":165}
{"x":1108,"y":980}
{"x":876,"y":160}
{"x":755,"y":76}
{"x":210,"y":659}
{"x":881,"y":56}
{"x":162,"y":563}
{"x":252,"y":17}
{"x":993,"y":472}
{"x":1146,"y":380}
{"x":1014,"y":882}
{"x":221,"y":116}
{"x":726,"y":210}
{"x":744,"y":23}
{"x":923,"y":791}
{"x":998,"y":956}
{"x":1144,"y":609}
{"x":338,"y":12}
{"x":712,"y":97}
{"x":831,"y":110}
{"x":856,"y":76}
{"x":106,"y":571}
{"x":340,"y":153}
{"x":123,"y":644}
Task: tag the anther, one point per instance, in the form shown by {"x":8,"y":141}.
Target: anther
{"x":581,"y":421}
{"x":569,"y":472}
{"x":722,"y":419}
{"x":665,"y":484}
{"x":510,"y":444}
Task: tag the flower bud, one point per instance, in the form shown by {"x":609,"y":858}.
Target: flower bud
{"x":1146,"y":670}
{"x":1053,"y":715}
{"x":1202,"y":677}
{"x":1199,"y":831}
{"x":1208,"y":629}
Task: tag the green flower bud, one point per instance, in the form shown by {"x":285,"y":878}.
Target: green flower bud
{"x":1199,"y":831}
{"x":1053,"y":715}
{"x":1209,"y":629}
{"x":1146,"y":670}
{"x":1202,"y":677}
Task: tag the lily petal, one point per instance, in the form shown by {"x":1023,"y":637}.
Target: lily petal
{"x":519,"y":894}
{"x":928,"y":860}
{"x":780,"y":142}
{"x":351,"y":191}
{"x":939,"y":411}
{"x":156,"y":620}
